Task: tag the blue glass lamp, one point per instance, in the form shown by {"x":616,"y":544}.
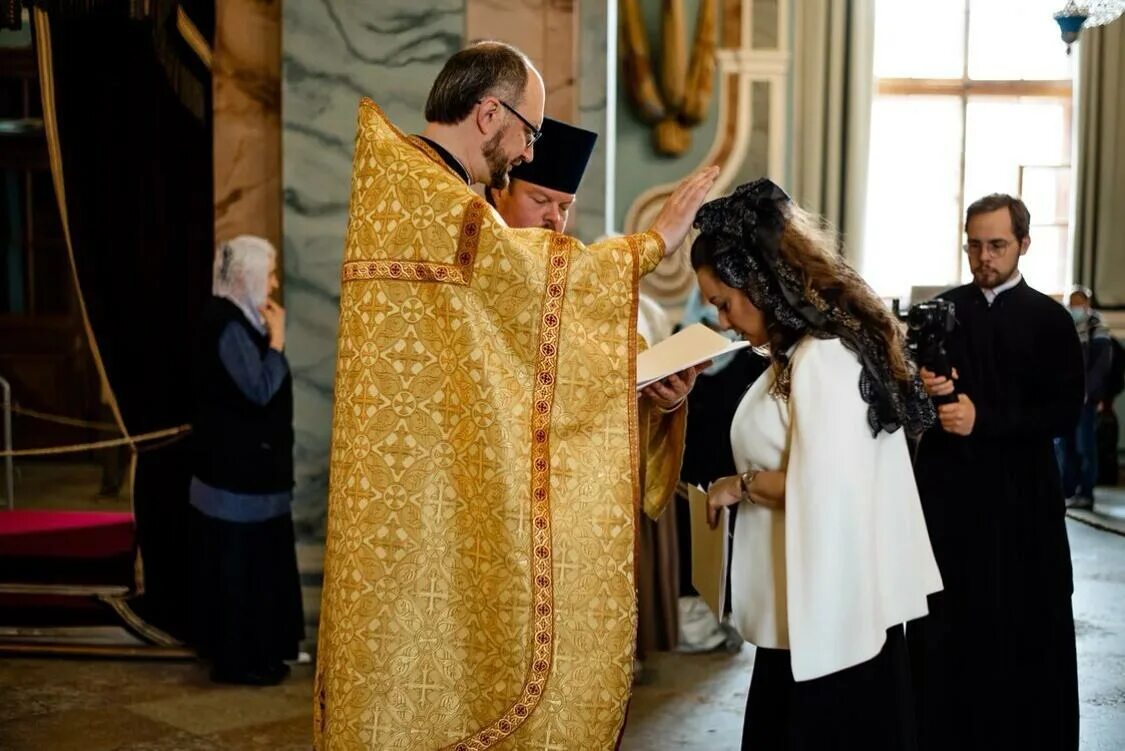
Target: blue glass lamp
{"x":1070,"y":23}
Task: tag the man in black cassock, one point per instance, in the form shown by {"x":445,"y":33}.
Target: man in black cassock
{"x":994,"y":662}
{"x":542,"y":192}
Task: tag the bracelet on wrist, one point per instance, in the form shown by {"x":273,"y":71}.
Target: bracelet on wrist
{"x":744,"y":481}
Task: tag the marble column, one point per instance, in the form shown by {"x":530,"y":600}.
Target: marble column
{"x":547,"y":32}
{"x":570,"y":42}
{"x":566,"y":39}
{"x":597,"y":75}
{"x":333,"y":53}
{"x":246,"y":81}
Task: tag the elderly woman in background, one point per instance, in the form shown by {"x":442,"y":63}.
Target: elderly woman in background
{"x":830,"y":554}
{"x":247,"y":592}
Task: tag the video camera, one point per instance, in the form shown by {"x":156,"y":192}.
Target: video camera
{"x":929,"y":323}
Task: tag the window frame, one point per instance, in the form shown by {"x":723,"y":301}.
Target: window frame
{"x":964,"y":88}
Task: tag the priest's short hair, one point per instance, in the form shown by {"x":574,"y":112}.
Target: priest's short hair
{"x":482,"y":69}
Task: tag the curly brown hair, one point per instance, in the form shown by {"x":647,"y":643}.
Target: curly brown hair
{"x":809,"y":247}
{"x":785,"y":261}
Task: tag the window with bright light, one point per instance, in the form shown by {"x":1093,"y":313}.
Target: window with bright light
{"x":972,"y":97}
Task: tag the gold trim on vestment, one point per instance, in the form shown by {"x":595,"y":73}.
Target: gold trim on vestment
{"x":542,"y":587}
{"x":635,"y":250}
{"x":425,"y":271}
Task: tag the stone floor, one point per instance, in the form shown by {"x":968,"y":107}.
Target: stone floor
{"x":1108,"y":512}
{"x":688,"y":703}
{"x":1099,"y":623}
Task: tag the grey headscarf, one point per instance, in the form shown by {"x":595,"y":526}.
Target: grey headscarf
{"x":241,"y":274}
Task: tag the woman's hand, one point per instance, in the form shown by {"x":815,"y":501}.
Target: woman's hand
{"x":726,"y":491}
{"x":274,"y":316}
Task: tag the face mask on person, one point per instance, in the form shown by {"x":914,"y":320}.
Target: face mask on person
{"x":1079,"y":314}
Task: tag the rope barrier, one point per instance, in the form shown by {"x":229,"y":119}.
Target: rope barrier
{"x":61,"y":420}
{"x":74,"y":448}
{"x":157,"y":445}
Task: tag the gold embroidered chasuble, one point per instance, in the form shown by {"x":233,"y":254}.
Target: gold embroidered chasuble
{"x":486,"y":462}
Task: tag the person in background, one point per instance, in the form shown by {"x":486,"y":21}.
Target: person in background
{"x":542,"y":192}
{"x":994,"y":663}
{"x":247,"y":591}
{"x":656,"y":559}
{"x":1109,"y":429}
{"x":1078,"y":451}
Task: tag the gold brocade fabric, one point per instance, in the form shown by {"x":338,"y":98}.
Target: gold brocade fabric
{"x":484,"y":472}
{"x":661,"y":455}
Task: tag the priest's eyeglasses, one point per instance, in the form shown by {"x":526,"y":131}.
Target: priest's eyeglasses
{"x":993,"y":248}
{"x":533,"y":133}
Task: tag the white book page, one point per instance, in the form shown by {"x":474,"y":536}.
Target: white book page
{"x":690,"y":346}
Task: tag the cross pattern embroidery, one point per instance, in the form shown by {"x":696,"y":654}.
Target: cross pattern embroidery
{"x":459,"y":272}
{"x":433,"y":594}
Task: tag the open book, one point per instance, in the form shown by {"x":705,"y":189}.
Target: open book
{"x":689,"y":346}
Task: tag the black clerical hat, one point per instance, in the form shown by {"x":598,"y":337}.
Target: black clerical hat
{"x":561,"y":155}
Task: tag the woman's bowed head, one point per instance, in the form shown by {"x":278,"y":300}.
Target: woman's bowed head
{"x":775,"y":275}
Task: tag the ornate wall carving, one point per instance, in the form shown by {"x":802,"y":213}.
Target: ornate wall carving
{"x":754,"y":63}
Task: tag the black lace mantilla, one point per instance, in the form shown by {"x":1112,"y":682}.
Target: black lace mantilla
{"x":746,"y":228}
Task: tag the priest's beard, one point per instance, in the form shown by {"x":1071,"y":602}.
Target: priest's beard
{"x":498,"y":163}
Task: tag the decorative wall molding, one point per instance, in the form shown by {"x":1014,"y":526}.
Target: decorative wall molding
{"x":740,"y":66}
{"x":682,"y":98}
{"x":246,"y":85}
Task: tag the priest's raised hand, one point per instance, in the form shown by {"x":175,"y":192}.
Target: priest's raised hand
{"x":678,"y":212}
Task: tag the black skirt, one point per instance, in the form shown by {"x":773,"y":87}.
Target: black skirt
{"x":868,"y":706}
{"x":246,"y":593}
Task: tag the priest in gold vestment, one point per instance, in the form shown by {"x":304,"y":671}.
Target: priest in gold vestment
{"x":487,"y":446}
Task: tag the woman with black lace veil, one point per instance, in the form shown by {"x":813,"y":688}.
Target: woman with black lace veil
{"x":830,"y":554}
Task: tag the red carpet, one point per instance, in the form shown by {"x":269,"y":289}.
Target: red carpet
{"x":69,"y":548}
{"x":65,"y":534}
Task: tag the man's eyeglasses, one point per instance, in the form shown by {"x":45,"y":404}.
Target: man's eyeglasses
{"x":533,"y":133}
{"x":993,"y":248}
